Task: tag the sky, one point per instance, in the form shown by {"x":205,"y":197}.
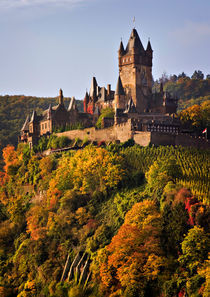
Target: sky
{"x":46,"y":45}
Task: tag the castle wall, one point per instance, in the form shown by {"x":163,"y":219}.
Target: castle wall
{"x":120,"y":132}
{"x":123,"y":132}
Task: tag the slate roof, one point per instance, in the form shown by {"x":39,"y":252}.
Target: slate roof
{"x":134,"y":42}
{"x":119,"y":88}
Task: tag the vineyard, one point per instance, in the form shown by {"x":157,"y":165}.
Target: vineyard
{"x":194,"y":165}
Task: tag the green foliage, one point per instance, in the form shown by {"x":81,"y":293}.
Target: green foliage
{"x":195,"y":248}
{"x":105,"y":113}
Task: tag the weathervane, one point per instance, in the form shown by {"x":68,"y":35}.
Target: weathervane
{"x":134,"y":22}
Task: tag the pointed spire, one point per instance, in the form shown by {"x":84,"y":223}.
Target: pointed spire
{"x":93,"y":87}
{"x":86,"y":97}
{"x":25,"y":125}
{"x":60,"y":97}
{"x":149,"y":47}
{"x":121,"y":49}
{"x":49,"y":112}
{"x":71,"y":104}
{"x":86,"y":101}
{"x":134,"y":42}
{"x":33,"y":117}
{"x":119,"y":88}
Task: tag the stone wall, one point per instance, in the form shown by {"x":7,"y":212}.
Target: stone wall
{"x":179,"y":139}
{"x":122,"y":132}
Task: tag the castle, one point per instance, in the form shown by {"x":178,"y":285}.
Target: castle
{"x":135,"y":106}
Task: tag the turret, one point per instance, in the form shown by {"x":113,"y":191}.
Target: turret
{"x":119,"y":95}
{"x":149,"y":53}
{"x":33,"y":117}
{"x":93,"y":89}
{"x":26,"y":124}
{"x":60,"y":97}
{"x":149,"y":48}
{"x":49,"y":112}
{"x":121,"y":50}
{"x":86,"y":101}
{"x":72,"y":105}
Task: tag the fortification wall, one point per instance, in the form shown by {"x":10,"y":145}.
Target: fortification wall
{"x":123,"y":132}
{"x":179,"y":139}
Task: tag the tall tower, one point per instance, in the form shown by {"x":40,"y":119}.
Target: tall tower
{"x":135,"y":69}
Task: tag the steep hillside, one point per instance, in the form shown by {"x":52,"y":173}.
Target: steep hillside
{"x":126,"y":221}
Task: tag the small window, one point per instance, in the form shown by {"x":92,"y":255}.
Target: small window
{"x":45,"y":125}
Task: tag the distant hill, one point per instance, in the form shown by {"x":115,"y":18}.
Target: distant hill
{"x":190,"y":91}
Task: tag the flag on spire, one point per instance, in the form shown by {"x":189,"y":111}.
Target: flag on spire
{"x":204,"y":131}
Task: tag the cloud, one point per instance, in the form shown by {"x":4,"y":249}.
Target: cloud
{"x":192,"y":33}
{"x":37,"y":3}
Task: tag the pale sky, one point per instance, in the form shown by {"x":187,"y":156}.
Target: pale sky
{"x":50,"y":44}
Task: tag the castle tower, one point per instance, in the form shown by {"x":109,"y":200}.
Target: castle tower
{"x":135,"y":67}
{"x":120,"y":101}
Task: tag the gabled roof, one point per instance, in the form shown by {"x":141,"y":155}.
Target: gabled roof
{"x":134,"y":42}
{"x":119,"y":88}
{"x":25,"y":125}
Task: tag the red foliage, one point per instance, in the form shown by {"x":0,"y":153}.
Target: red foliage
{"x":181,"y":293}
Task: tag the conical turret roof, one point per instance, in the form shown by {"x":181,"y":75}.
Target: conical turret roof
{"x":119,"y":88}
{"x":25,"y":125}
{"x":134,"y":42}
{"x":71,"y":104}
{"x":121,"y":49}
{"x":149,"y":47}
{"x":33,"y":117}
{"x":49,"y":112}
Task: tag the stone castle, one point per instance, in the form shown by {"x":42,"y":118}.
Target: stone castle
{"x":139,"y":113}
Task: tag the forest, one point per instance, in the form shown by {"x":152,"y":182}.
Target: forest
{"x":140,"y":216}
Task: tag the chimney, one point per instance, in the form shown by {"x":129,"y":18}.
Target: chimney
{"x":108,"y":89}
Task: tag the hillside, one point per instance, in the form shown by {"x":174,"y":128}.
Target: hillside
{"x":137,"y":216}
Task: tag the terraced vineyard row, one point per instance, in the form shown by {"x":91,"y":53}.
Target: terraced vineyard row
{"x":194,"y":164}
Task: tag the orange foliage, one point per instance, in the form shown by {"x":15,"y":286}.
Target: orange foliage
{"x":36,"y":222}
{"x":134,"y":255}
{"x":10,"y":157}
